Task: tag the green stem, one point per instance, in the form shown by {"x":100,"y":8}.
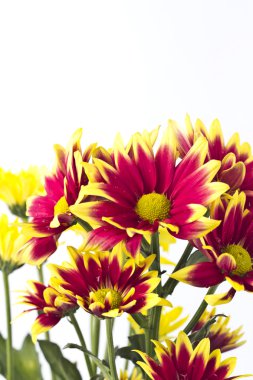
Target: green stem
{"x":171,"y":283}
{"x":111,"y":353}
{"x":9,"y":360}
{"x":83,"y":344}
{"x":95,"y":335}
{"x":202,"y":307}
{"x":84,"y":224}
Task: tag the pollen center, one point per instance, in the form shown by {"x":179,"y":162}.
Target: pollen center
{"x":153,"y":207}
{"x":112,"y":295}
{"x":242,"y":258}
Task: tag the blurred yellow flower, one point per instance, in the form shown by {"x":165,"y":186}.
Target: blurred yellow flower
{"x":135,"y":375}
{"x":16,"y":188}
{"x":11,"y":240}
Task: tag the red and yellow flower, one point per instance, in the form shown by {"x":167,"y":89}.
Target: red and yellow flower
{"x":180,"y":361}
{"x":221,"y":336}
{"x":138,"y":191}
{"x":236,"y":159}
{"x":228,"y":248}
{"x":51,"y":305}
{"x":106,"y":284}
{"x":50,"y":214}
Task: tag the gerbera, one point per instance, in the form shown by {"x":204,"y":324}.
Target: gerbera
{"x":236,"y":159}
{"x":228,"y":248}
{"x":11,"y":241}
{"x":180,"y":361}
{"x":16,"y":188}
{"x":51,"y":305}
{"x":138,"y":191}
{"x":220,"y":334}
{"x":50,"y":214}
{"x":106,"y":284}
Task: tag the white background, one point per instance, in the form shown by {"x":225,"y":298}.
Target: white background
{"x":110,"y":66}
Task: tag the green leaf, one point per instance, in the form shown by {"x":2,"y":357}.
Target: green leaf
{"x":60,"y":366}
{"x":26,"y":364}
{"x":196,"y":257}
{"x":100,"y":364}
{"x":137,"y":342}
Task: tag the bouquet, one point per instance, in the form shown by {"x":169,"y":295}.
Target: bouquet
{"x":128,"y":204}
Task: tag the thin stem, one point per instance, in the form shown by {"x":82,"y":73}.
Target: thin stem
{"x":171,"y":283}
{"x":202,"y":307}
{"x":9,"y":358}
{"x":95,"y":335}
{"x":83,"y":344}
{"x":111,"y":353}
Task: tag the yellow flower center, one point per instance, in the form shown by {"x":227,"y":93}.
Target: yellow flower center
{"x":242,"y":258}
{"x":101,"y":294}
{"x":153,"y":207}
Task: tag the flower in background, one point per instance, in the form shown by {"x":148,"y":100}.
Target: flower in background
{"x":138,"y":191}
{"x":229,"y":251}
{"x":50,"y":214}
{"x":106,"y":284}
{"x":169,"y":322}
{"x":15,"y":189}
{"x":220,"y":334}
{"x":236,"y":159}
{"x":11,"y":241}
{"x":51,"y":305}
{"x":135,"y":375}
{"x":180,"y":361}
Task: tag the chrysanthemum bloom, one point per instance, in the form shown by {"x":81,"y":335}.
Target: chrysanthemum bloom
{"x":105,"y":284}
{"x":180,"y":361}
{"x":50,"y":214}
{"x":236,"y":159}
{"x":16,"y":188}
{"x":138,"y":191}
{"x":11,"y":241}
{"x":51,"y":305}
{"x":135,"y":375}
{"x":229,"y":251}
{"x":221,"y":336}
{"x":169,"y":322}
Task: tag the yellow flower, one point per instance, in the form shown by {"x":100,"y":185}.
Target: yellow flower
{"x":169,"y":322}
{"x":11,"y":240}
{"x":135,"y":375}
{"x":15,"y":189}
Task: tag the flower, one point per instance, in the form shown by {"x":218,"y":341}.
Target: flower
{"x":229,"y":251}
{"x":135,"y":375}
{"x":220,"y":334}
{"x":105,"y":284}
{"x":51,"y":305}
{"x":138,"y":191}
{"x":236,"y":159}
{"x":15,"y":189}
{"x":169,"y":322}
{"x":11,"y":241}
{"x":50,"y":213}
{"x":179,"y":361}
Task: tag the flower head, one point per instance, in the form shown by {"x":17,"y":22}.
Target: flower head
{"x":180,"y":361}
{"x":135,"y":375}
{"x":236,"y":159}
{"x":11,"y":241}
{"x":106,"y":284}
{"x":50,"y":214}
{"x":51,"y":305}
{"x":139,"y":191}
{"x":16,"y":188}
{"x":220,"y":334}
{"x":228,"y":249}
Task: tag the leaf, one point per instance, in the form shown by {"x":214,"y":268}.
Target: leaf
{"x":60,"y":366}
{"x":196,"y":257}
{"x":137,"y":342}
{"x":26,"y":364}
{"x":101,"y":365}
